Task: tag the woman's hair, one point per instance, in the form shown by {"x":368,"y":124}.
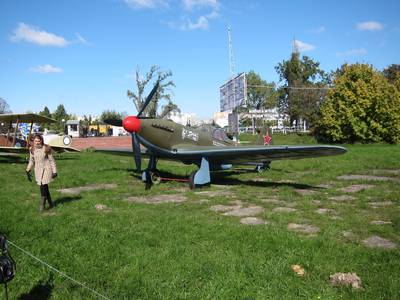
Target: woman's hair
{"x":47,"y":148}
{"x":40,"y":137}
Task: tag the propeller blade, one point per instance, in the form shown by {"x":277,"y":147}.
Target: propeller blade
{"x":113,"y":122}
{"x":136,"y":152}
{"x":148,"y":99}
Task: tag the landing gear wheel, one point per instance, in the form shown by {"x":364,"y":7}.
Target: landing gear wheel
{"x":192,"y":186}
{"x":155,"y":177}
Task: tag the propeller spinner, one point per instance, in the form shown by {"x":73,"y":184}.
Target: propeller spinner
{"x":131,"y":124}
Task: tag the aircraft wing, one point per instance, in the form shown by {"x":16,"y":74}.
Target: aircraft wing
{"x":26,"y":150}
{"x":25,"y":118}
{"x":64,"y":149}
{"x":254,"y":153}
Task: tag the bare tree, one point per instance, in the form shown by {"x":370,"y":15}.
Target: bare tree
{"x":163,"y":92}
{"x":4,"y":108}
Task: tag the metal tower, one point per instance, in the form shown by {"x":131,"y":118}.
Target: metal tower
{"x":231,"y":56}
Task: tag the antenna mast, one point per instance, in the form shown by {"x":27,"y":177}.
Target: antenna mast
{"x":231,"y":56}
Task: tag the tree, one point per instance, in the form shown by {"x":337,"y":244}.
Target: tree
{"x":392,"y":73}
{"x":303,"y":89}
{"x":162,"y":92}
{"x":362,"y":107}
{"x":60,"y":115}
{"x":260,"y":93}
{"x":110,"y":115}
{"x":45,"y":112}
{"x":4,"y":108}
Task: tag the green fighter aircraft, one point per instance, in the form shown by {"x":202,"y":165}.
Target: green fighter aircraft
{"x":166,"y":139}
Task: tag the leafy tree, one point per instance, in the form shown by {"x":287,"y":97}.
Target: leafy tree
{"x":303,"y":89}
{"x":162,"y":92}
{"x":260,"y":93}
{"x":110,"y":115}
{"x":4,"y":108}
{"x":59,"y":115}
{"x":392,"y":73}
{"x":362,"y":107}
{"x":45,"y":112}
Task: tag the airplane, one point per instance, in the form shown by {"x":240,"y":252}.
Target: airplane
{"x":166,"y":139}
{"x":10,"y":144}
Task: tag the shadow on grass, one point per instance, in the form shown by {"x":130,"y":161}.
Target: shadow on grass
{"x":66,"y":199}
{"x":12,"y":160}
{"x":224,"y":178}
{"x":42,"y":290}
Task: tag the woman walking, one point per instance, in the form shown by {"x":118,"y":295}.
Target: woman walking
{"x":45,"y":168}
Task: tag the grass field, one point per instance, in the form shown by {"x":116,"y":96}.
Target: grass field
{"x":190,"y":250}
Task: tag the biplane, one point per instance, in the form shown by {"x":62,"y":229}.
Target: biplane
{"x":14,"y":141}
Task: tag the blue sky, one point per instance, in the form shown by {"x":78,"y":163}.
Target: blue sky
{"x":83,"y":54}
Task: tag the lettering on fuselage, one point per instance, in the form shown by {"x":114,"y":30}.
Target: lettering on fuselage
{"x":191,"y":135}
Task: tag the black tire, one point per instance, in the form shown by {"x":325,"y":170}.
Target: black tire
{"x":192,"y":186}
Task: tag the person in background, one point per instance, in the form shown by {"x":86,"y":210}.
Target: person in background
{"x":45,"y":168}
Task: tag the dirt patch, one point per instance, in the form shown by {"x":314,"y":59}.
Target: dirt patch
{"x":378,"y":242}
{"x":158,"y":199}
{"x":345,"y":279}
{"x":224,"y":208}
{"x":102,"y":207}
{"x":365,"y":177}
{"x":356,"y":188}
{"x":342,"y":198}
{"x":325,"y":186}
{"x":305,"y":192}
{"x":303,"y":228}
{"x":324,"y":211}
{"x":383,"y":203}
{"x":349,"y":235}
{"x":253,"y":221}
{"x":380,"y":204}
{"x":49,"y":213}
{"x":388,"y":171}
{"x":215,"y":193}
{"x":92,"y":187}
{"x":316,"y":202}
{"x":245,"y":211}
{"x":379,"y":222}
{"x":284,"y":209}
{"x":273,"y":201}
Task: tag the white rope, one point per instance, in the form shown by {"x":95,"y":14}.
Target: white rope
{"x":54,"y":269}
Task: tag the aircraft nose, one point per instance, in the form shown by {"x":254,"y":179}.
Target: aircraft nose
{"x":131,"y":124}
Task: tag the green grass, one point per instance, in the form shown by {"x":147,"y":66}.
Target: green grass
{"x":186,"y":251}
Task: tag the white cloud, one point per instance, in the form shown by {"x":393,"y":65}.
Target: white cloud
{"x":149,"y":4}
{"x":202,"y":23}
{"x":81,"y":39}
{"x":45,"y":69}
{"x":302,"y":47}
{"x":34,"y":35}
{"x":320,"y":29}
{"x":370,"y":26}
{"x":353,"y":52}
{"x":191,"y":4}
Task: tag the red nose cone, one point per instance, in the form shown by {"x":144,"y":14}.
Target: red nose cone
{"x":131,"y":124}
